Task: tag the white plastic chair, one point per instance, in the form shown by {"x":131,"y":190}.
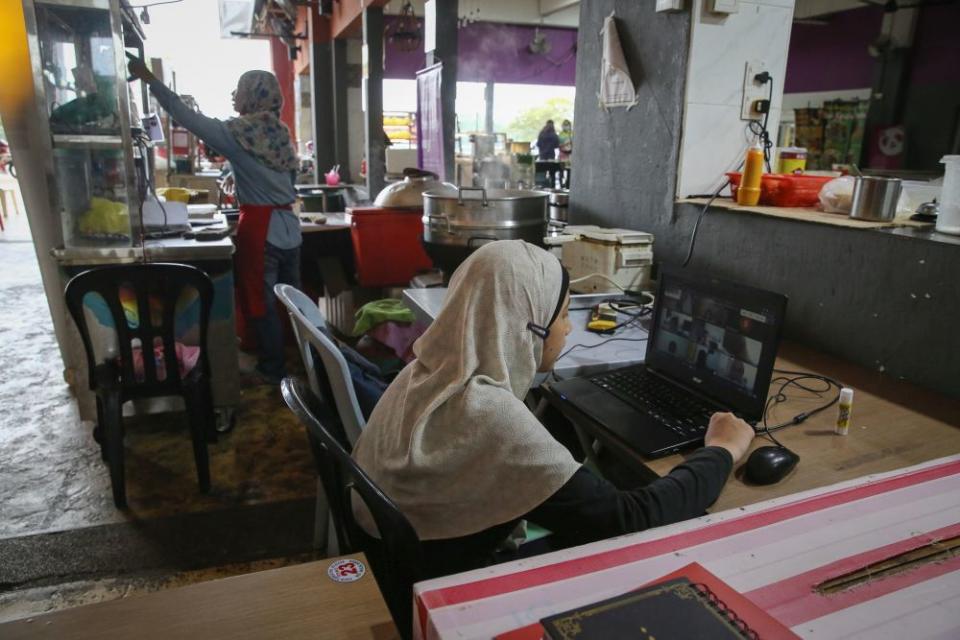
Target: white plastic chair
{"x":306,"y":319}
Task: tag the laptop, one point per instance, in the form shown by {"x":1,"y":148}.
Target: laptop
{"x":711,"y":347}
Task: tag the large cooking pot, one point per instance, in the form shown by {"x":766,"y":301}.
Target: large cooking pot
{"x":457,"y":221}
{"x":407,"y":194}
{"x":559,"y":204}
{"x":472,"y":216}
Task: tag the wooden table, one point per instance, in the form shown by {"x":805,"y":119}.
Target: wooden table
{"x":335,"y":222}
{"x":894,"y":425}
{"x":299,"y":601}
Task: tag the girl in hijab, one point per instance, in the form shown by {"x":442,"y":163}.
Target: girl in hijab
{"x":264,"y":164}
{"x":565,"y":139}
{"x":452,"y":443}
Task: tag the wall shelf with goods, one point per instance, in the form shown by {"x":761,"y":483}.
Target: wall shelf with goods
{"x":401,"y":128}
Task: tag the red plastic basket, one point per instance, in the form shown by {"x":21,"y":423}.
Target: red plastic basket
{"x":785,"y":190}
{"x":387,"y":249}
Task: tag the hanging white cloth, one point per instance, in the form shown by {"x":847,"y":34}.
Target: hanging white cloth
{"x":616,"y":86}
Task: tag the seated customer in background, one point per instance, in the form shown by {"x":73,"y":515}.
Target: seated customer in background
{"x":454,"y":445}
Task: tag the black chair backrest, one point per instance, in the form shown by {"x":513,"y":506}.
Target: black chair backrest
{"x":397,"y":555}
{"x":160,"y":284}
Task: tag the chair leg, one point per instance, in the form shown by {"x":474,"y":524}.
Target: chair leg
{"x":112,"y":426}
{"x":321,"y":521}
{"x":199,"y":425}
{"x":98,"y":431}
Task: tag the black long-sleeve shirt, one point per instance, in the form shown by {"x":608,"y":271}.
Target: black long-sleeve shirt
{"x":588,"y":508}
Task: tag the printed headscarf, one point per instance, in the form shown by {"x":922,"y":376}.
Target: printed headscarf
{"x":259,"y":129}
{"x":451,"y":441}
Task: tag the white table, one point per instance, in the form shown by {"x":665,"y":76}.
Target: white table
{"x":774,"y":553}
{"x":628,"y":346}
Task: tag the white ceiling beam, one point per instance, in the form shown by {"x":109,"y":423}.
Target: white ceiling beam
{"x":805,"y":9}
{"x":550,"y":7}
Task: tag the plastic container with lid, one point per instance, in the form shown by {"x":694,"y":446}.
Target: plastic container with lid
{"x":948,"y":221}
{"x":386,"y":245}
{"x":792,"y":160}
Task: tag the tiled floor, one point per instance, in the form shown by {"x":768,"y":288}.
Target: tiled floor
{"x":53,"y":480}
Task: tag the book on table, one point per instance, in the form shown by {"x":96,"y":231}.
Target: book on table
{"x":689,"y":603}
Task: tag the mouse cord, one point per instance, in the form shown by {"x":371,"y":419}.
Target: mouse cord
{"x":780,"y":396}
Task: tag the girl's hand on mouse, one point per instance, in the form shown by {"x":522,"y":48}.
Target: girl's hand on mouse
{"x":730,"y":432}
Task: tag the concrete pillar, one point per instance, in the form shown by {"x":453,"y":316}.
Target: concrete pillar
{"x":891,"y":79}
{"x":488,"y":104}
{"x":373,"y":87}
{"x":322,"y":98}
{"x":447,"y":39}
{"x":340,"y":120}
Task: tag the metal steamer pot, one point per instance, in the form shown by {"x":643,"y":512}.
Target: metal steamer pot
{"x":472,"y":216}
{"x":457,"y":221}
{"x":559,"y":204}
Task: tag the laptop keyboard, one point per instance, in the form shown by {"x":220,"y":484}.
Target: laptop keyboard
{"x":678,"y":410}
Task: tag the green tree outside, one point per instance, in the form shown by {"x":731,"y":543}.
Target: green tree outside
{"x":526,"y":126}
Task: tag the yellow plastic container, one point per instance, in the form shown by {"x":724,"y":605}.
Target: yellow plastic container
{"x":749,"y":192}
{"x":175,"y":194}
{"x":792,"y":160}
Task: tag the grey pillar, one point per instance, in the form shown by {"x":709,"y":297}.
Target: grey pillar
{"x":340,"y":119}
{"x":322,"y":96}
{"x":891,"y":80}
{"x":373,"y":120}
{"x":446,"y":52}
{"x":488,"y":103}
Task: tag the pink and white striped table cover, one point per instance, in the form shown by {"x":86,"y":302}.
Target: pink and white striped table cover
{"x":773,"y":552}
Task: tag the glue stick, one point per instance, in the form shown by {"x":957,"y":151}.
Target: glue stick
{"x":844,"y":407}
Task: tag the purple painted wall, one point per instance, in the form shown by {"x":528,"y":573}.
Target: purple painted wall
{"x":833,"y":57}
{"x":497,"y":52}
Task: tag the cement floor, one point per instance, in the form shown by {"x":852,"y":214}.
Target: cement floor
{"x":55,"y":501}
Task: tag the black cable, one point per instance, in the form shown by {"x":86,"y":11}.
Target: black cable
{"x":764,"y":133}
{"x":780,"y":396}
{"x":599,"y":344}
{"x":696,"y":225}
{"x":154,"y":4}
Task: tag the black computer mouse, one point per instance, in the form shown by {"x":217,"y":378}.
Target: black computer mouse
{"x":767,"y":465}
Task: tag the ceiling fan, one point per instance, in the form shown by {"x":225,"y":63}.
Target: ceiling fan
{"x":892,"y":6}
{"x":539,"y":44}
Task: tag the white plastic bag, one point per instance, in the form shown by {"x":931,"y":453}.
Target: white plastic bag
{"x":837,"y":195}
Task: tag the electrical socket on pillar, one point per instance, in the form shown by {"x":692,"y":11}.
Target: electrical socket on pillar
{"x":669,"y":5}
{"x":753,"y":90}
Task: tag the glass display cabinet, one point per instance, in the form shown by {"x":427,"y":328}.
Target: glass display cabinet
{"x":80,"y":84}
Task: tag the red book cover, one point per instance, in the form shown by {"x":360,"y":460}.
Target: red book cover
{"x":530,"y":632}
{"x":766,"y":627}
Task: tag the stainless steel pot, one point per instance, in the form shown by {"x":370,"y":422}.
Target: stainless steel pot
{"x":559,"y":200}
{"x":875,"y":198}
{"x":471,"y":216}
{"x":408,"y":193}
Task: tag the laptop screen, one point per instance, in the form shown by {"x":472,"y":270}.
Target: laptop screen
{"x":717,"y":337}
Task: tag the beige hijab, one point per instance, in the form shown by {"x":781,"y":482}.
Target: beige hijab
{"x":451,"y":441}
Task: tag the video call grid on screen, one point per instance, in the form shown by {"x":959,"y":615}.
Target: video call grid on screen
{"x":709,"y":334}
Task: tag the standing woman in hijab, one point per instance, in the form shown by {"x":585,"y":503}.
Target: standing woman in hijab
{"x":452,"y":443}
{"x":264,"y":164}
{"x":565,"y":138}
